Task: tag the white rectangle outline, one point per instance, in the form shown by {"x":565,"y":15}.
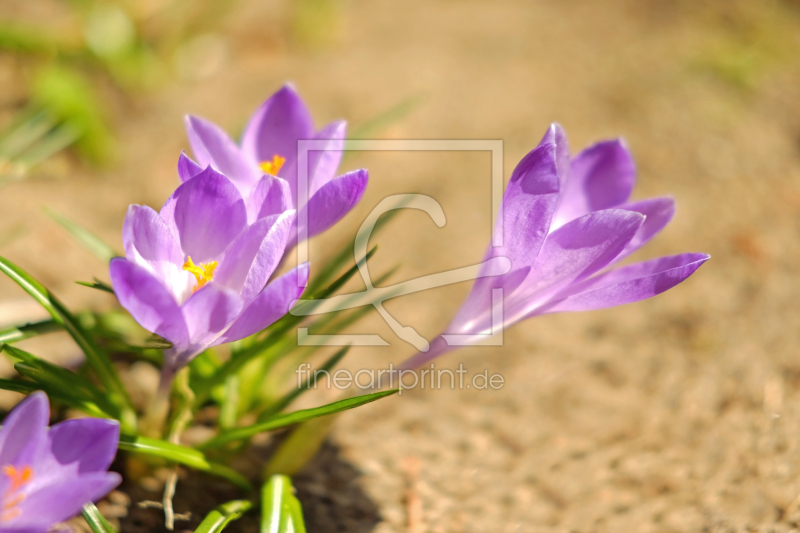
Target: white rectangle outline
{"x":304,"y":146}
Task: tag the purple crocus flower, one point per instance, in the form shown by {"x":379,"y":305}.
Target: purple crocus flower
{"x":196,"y":272}
{"x":265,"y":166}
{"x":564,"y":222}
{"x":48,"y":475}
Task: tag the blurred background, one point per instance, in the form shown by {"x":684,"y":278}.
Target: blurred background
{"x":681,"y":413}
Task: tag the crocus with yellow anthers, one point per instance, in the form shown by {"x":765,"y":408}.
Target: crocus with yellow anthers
{"x":264,"y":167}
{"x":196,"y":272}
{"x":48,"y":475}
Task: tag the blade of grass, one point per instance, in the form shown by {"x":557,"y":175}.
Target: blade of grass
{"x":180,"y":454}
{"x":91,"y":242}
{"x":27,"y":387}
{"x":219,"y":518}
{"x":300,"y":447}
{"x":295,"y":511}
{"x":280,"y":510}
{"x":59,"y":138}
{"x":229,"y":410}
{"x":97,"y":284}
{"x":292,"y":395}
{"x":296,"y":417}
{"x":25,"y":134}
{"x":96,"y":521}
{"x":26,"y":331}
{"x":95,"y":357}
{"x":60,"y":380}
{"x":239,"y":358}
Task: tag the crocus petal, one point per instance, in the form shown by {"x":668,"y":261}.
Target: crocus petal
{"x":59,"y":501}
{"x":148,"y":301}
{"x":212,"y":146}
{"x":24,"y":432}
{"x":91,"y":442}
{"x":333,"y":201}
{"x":556,"y":136}
{"x":571,"y":253}
{"x":528,"y":205}
{"x":187,"y":168}
{"x":209,"y":312}
{"x":272,"y":196}
{"x":252,"y":258}
{"x":147,"y":238}
{"x":628,"y":284}
{"x":322,"y":165}
{"x":475,"y":314}
{"x":601,"y":177}
{"x":209,"y":213}
{"x":659,"y":211}
{"x":275,"y":128}
{"x":438,"y":347}
{"x":270,"y":305}
{"x":150,"y":243}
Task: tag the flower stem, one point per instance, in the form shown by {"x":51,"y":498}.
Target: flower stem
{"x":183,"y":418}
{"x":155,"y":415}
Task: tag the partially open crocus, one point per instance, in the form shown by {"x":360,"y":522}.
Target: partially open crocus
{"x":564,"y":222}
{"x":265,"y":166}
{"x":196,"y":272}
{"x":47,"y":476}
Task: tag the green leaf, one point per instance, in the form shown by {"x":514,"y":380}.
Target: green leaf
{"x":96,"y":521}
{"x":28,"y":130}
{"x":70,"y":97}
{"x":60,"y":381}
{"x":91,"y":242}
{"x":95,"y":357}
{"x":314,"y":292}
{"x":15,"y":385}
{"x":26,"y":331}
{"x":300,"y":447}
{"x":219,"y":518}
{"x":27,"y":387}
{"x":229,"y":409}
{"x":57,"y":139}
{"x":286,"y":346}
{"x":20,"y":38}
{"x":292,"y":395}
{"x":296,"y":515}
{"x":157,"y":342}
{"x":180,"y":454}
{"x":296,"y":417}
{"x":97,"y":284}
{"x":240,"y":358}
{"x":281,"y":511}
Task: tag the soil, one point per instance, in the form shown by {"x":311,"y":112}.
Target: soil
{"x":328,"y":488}
{"x":678,"y":414}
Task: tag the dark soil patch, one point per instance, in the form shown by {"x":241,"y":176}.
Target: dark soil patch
{"x":329,"y":489}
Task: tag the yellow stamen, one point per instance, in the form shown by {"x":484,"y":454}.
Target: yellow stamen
{"x":12,"y":498}
{"x":203,"y":273}
{"x":18,"y":477}
{"x":272,"y":167}
{"x":11,"y":514}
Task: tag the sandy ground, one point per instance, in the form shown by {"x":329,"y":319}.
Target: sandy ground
{"x":679,"y":414}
